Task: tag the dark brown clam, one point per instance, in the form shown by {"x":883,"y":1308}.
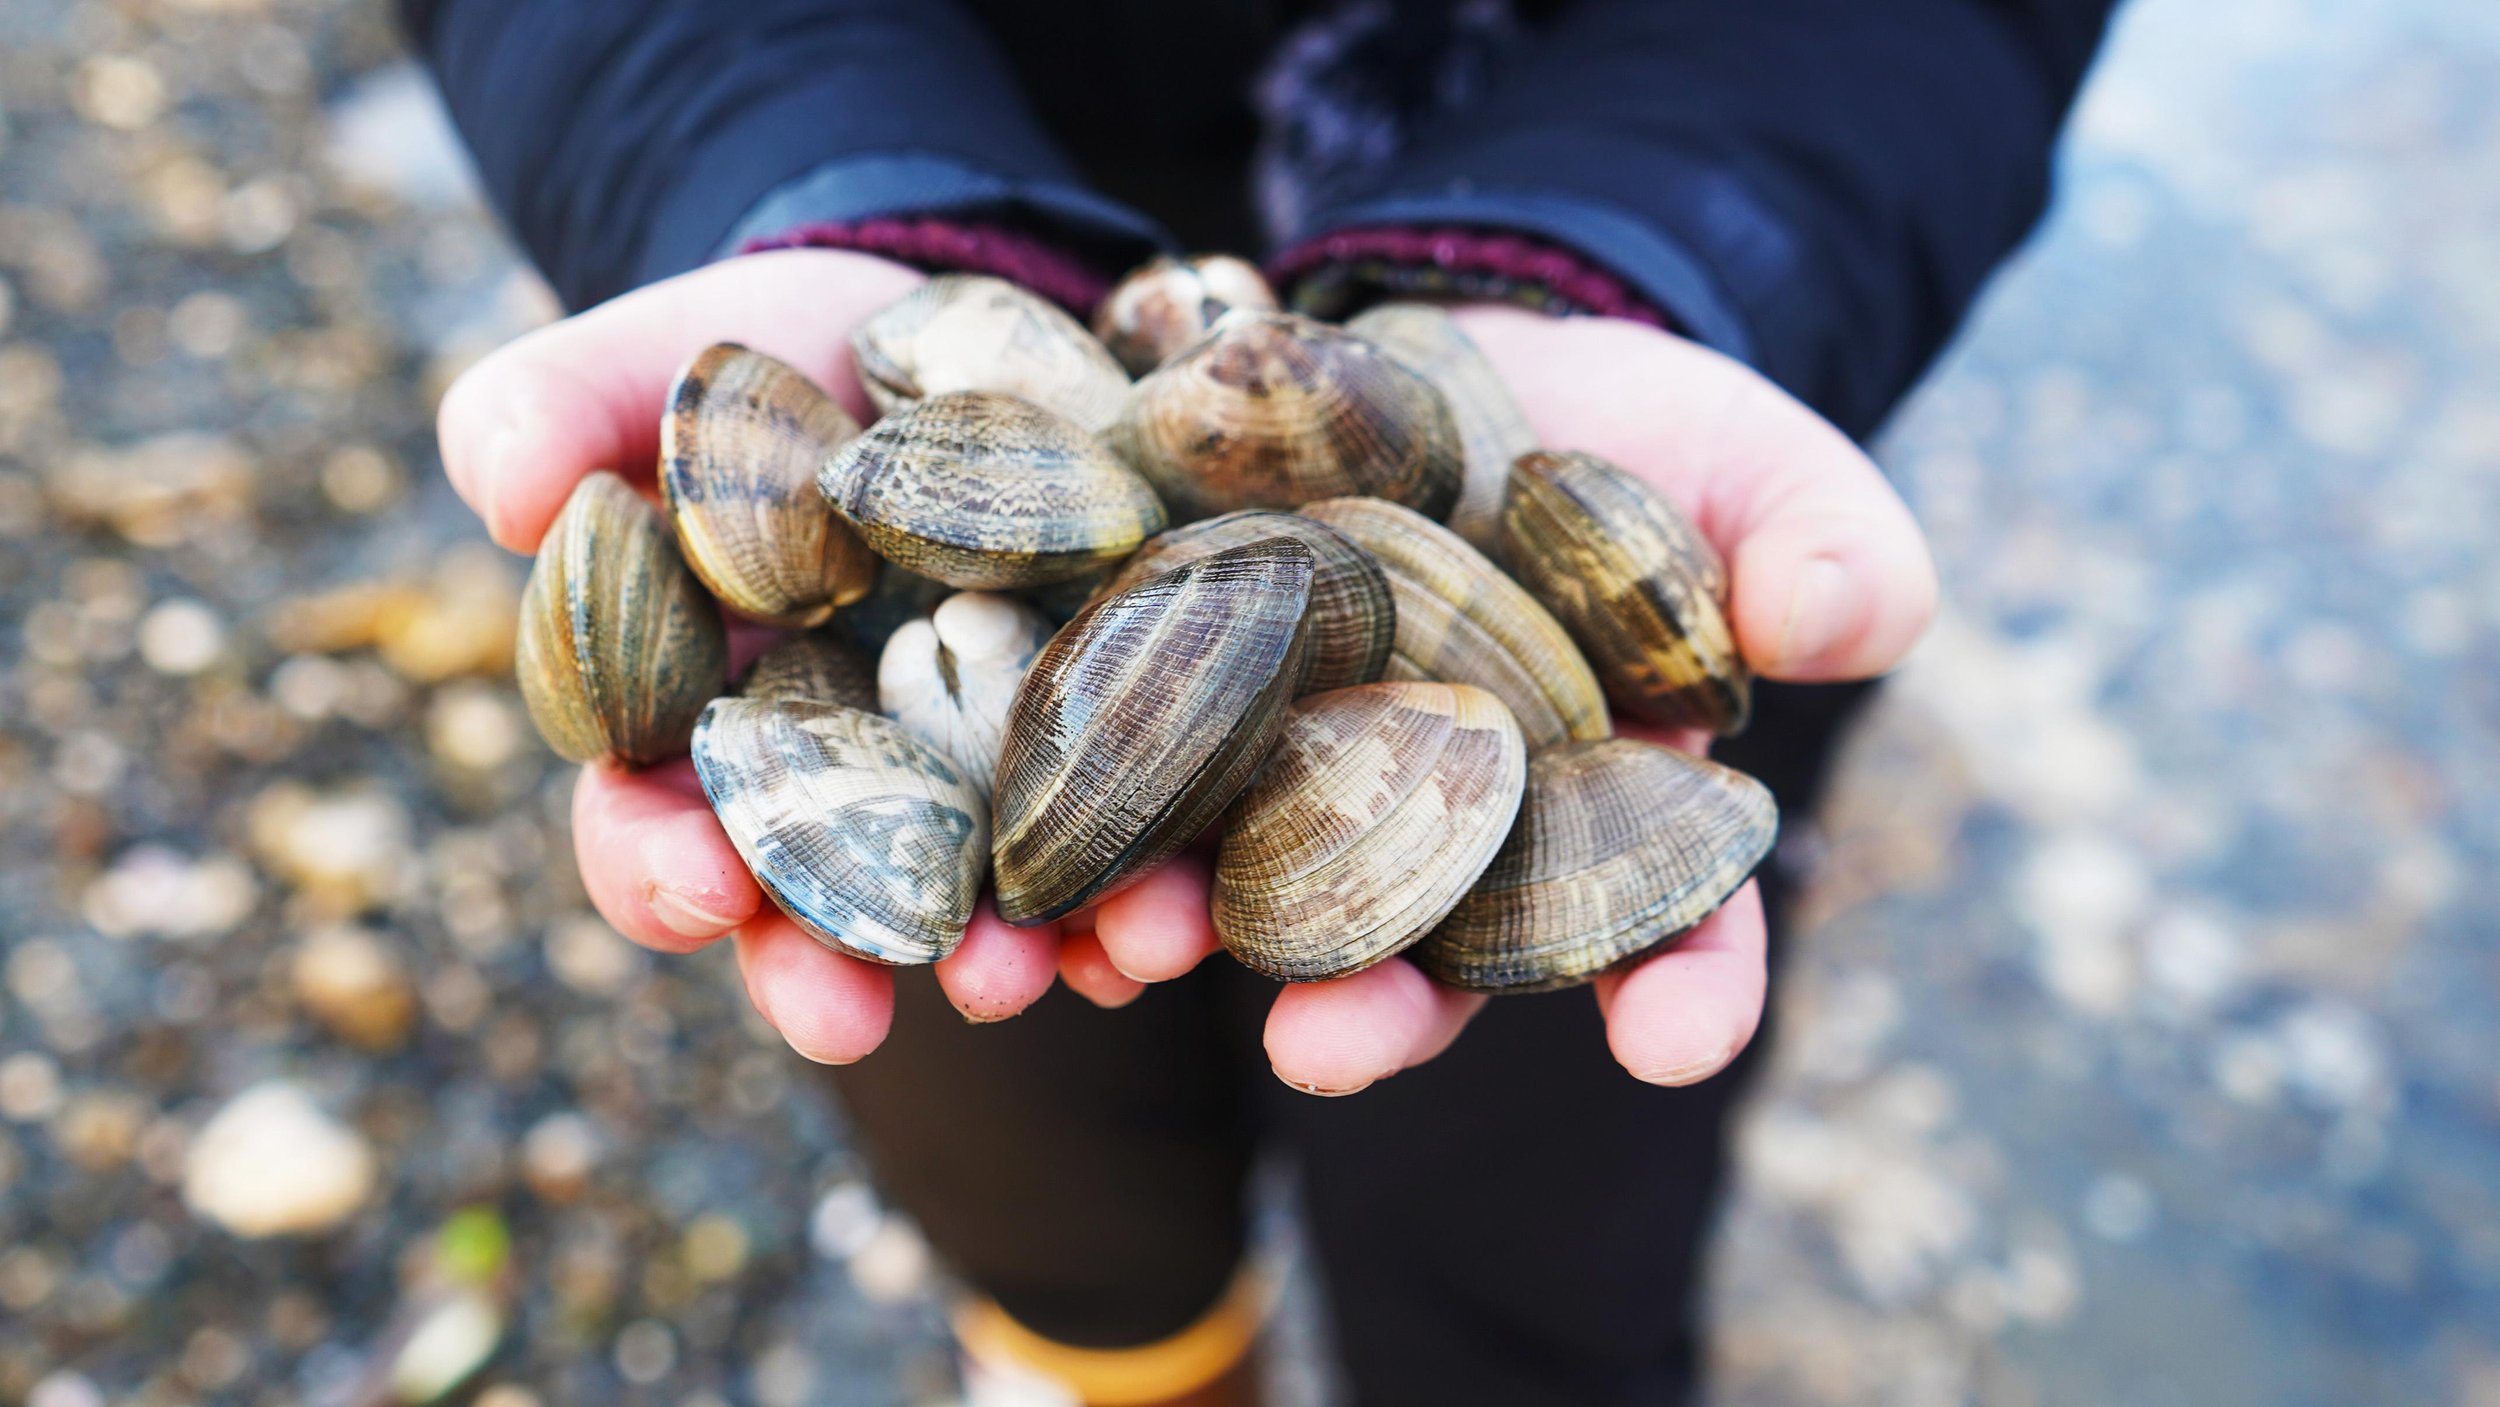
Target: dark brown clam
{"x":1142,"y":720}
{"x":1353,"y":619}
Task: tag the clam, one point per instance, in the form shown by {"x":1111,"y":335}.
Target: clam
{"x":1620,"y":846}
{"x":619,"y":647}
{"x":969,"y":332}
{"x":897,"y":596}
{"x":1491,"y":427}
{"x":1641,"y":590}
{"x":817,"y":666}
{"x":1461,"y":621}
{"x":1142,"y":720}
{"x":865,"y":836}
{"x":1353,"y":620}
{"x":950,"y":677}
{"x":739,"y":450}
{"x":989,"y":493}
{"x":1376,"y":812}
{"x":1275,"y":410}
{"x":1170,"y":303}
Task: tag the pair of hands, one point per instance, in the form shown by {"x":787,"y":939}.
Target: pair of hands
{"x":1831,"y":580}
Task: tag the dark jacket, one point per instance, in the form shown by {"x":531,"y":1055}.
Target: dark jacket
{"x":1818,"y":187}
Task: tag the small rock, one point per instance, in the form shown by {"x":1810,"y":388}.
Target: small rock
{"x":354,"y":984}
{"x":271,"y":1163}
{"x":558,"y":1154}
{"x":180,"y":637}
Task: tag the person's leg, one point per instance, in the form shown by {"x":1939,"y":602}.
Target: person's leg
{"x":1520,"y":1222}
{"x":1081,"y":1168}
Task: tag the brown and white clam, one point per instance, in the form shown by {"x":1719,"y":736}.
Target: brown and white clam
{"x":619,"y":647}
{"x":1636,"y":584}
{"x":1142,"y":720}
{"x":1491,"y":425}
{"x":1275,"y":410}
{"x":868,"y":838}
{"x":1353,"y":619}
{"x":739,"y":449}
{"x":986,"y":492}
{"x":1375,"y":814}
{"x":1169,"y":303}
{"x":1620,"y":846}
{"x":970,"y":332}
{"x":950,"y":677}
{"x":814,"y":666}
{"x":1461,"y":621}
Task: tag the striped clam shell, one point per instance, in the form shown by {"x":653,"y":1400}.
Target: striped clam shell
{"x":1636,"y":584}
{"x":1460,"y":620}
{"x":866,"y":837}
{"x":1620,"y":846}
{"x":619,"y":647}
{"x":986,"y":492}
{"x":971,"y":332}
{"x":815,"y":666}
{"x":1167,"y":304}
{"x":739,"y":449}
{"x":1491,"y":426}
{"x":1141,"y":721}
{"x":1275,"y":410}
{"x":1379,"y":808}
{"x":1353,"y":618}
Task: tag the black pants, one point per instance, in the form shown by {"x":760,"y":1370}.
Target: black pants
{"x":1518,"y":1222}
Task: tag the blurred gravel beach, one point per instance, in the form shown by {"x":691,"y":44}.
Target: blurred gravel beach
{"x":2143,"y":1046}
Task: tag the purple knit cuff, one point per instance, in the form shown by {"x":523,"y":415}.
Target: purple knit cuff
{"x":937,"y":245}
{"x":1336,"y":274}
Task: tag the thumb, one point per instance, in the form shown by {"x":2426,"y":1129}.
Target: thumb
{"x":1830,"y":577}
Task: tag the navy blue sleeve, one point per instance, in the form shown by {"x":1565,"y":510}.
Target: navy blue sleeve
{"x":1818,"y":187}
{"x":626,"y":140}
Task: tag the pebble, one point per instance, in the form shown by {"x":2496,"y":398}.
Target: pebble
{"x":558,"y":1155}
{"x":352,"y":982}
{"x":271,"y":1163}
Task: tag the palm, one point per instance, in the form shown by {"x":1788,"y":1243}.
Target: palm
{"x":1801,"y":516}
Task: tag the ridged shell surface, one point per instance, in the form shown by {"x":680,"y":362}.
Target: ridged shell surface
{"x":1275,"y":410}
{"x":1461,"y":621}
{"x":950,"y":678}
{"x":970,"y":332}
{"x":1140,"y":722}
{"x":989,"y":493}
{"x":1379,"y":808}
{"x":1169,"y":303}
{"x":816,"y":666}
{"x":1490,"y":423}
{"x":619,"y":647}
{"x":1353,"y":620}
{"x":1636,"y":584}
{"x":868,"y":838}
{"x":739,"y":450}
{"x":1620,"y":846}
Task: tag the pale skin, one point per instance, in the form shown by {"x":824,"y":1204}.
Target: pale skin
{"x":1831,"y":580}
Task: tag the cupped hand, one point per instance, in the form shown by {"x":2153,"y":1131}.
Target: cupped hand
{"x":1830,"y":580}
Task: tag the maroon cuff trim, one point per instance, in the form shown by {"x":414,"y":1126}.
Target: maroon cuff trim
{"x":936,"y":245}
{"x":1337,"y":274}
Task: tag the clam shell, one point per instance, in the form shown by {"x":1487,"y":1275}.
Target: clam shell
{"x":1374,"y":815}
{"x":1620,"y":846}
{"x":969,"y":332}
{"x":817,"y":666}
{"x":1641,"y":590}
{"x":739,"y":450}
{"x":1275,"y":410}
{"x":619,"y":647}
{"x":1491,"y":426}
{"x":898,"y":595}
{"x":950,"y":677}
{"x":865,"y":836}
{"x":1142,"y":720}
{"x":1460,"y":620}
{"x":1169,"y":303}
{"x":1353,"y":620}
{"x":989,"y":493}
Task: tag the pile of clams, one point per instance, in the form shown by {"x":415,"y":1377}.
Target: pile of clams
{"x":1208,"y":570}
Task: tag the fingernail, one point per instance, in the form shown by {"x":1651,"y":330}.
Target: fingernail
{"x":682,"y":914}
{"x":1330,"y":1093}
{"x":1819,"y":613}
{"x":981,"y":1018}
{"x":1692,"y":1073}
